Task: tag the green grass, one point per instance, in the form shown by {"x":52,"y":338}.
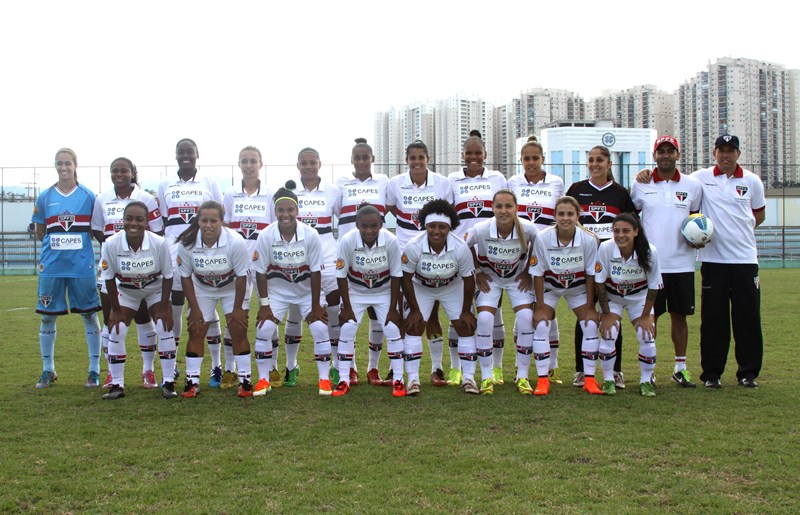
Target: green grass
{"x":66,"y":450}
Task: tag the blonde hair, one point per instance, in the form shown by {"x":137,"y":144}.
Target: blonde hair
{"x":517,"y":224}
{"x":533,"y":141}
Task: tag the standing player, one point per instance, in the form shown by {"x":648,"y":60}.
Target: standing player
{"x":140,"y":261}
{"x":62,"y":215}
{"x":500,"y":248}
{"x":406,"y":195}
{"x":364,"y":187}
{"x":288,"y":262}
{"x":437,"y":266}
{"x":562,"y":265}
{"x":213,"y":265}
{"x":473,"y":189}
{"x":369,"y":272}
{"x":536,"y":192}
{"x":627,"y":277}
{"x":665,"y":201}
{"x":107,"y":221}
{"x":179,"y":198}
{"x":601,"y":200}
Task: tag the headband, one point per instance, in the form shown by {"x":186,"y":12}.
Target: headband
{"x":436,"y":217}
{"x":308,"y":149}
{"x":285,"y":198}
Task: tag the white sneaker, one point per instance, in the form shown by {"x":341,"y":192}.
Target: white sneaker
{"x":412,"y":388}
{"x":619,"y":380}
{"x":578,"y":381}
{"x":469,"y":386}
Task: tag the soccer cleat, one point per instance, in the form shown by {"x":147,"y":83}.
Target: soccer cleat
{"x":374,"y":377}
{"x":353,"y":377}
{"x":647,"y":389}
{"x":497,"y":376}
{"x":454,"y":377}
{"x":275,"y":378}
{"x":229,"y":379}
{"x":437,"y":378}
{"x":334,"y":375}
{"x":47,"y":378}
{"x":487,"y":386}
{"x":469,"y":387}
{"x":748,"y":382}
{"x":554,"y":375}
{"x":590,"y":386}
{"x":653,"y":380}
{"x":92,"y":380}
{"x":524,"y":386}
{"x":341,"y":389}
{"x":325,"y":387}
{"x":609,"y":388}
{"x":115,"y":392}
{"x":245,"y":389}
{"x":262,"y":387}
{"x":412,"y":388}
{"x":191,"y":390}
{"x":619,"y":380}
{"x":290,"y":379}
{"x":398,"y":389}
{"x":107,"y":382}
{"x":578,"y":381}
{"x":168,"y":390}
{"x":177,"y":373}
{"x":542,"y":386}
{"x":216,"y":378}
{"x":713,"y":383}
{"x":682,"y":378}
{"x":149,"y":380}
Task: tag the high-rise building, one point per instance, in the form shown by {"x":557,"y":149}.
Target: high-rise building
{"x":640,"y":107}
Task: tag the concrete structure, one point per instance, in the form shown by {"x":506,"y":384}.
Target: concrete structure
{"x":637,"y":107}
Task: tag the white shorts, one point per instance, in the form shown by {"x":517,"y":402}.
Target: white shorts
{"x":497,"y":286}
{"x":450,"y":297}
{"x":208,"y":305}
{"x":132,"y":298}
{"x":575,"y":297}
{"x":329,"y":283}
{"x":635,"y":306}
{"x":379,"y":302}
{"x":281,"y":306}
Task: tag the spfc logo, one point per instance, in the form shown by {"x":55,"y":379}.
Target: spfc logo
{"x":415,"y":219}
{"x":45,"y":300}
{"x":66,"y":221}
{"x":118,"y":227}
{"x":291,"y":274}
{"x":741,"y":190}
{"x":311,"y":222}
{"x":681,"y":195}
{"x":533,"y":212}
{"x":475,"y":207}
{"x":597,"y":212}
{"x":566,"y":280}
{"x":248,"y":229}
{"x":186,"y":214}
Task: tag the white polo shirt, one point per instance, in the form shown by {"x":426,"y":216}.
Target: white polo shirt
{"x":109,"y":209}
{"x":502,"y":258}
{"x":472,"y":197}
{"x":563,"y":266}
{"x":179,"y":201}
{"x":408,"y":199}
{"x":536,"y":201}
{"x":316,"y":208}
{"x":136,"y":269}
{"x":625,"y":277}
{"x":664,"y":205}
{"x":288,"y":264}
{"x":247,"y":214}
{"x":216,"y":267}
{"x":354,"y":192}
{"x":435,"y":270}
{"x":730,"y":204}
{"x":368,"y":269}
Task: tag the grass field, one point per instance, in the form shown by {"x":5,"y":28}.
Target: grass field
{"x":684,"y":451}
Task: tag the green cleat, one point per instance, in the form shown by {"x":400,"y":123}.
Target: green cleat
{"x":497,"y":376}
{"x":609,"y":388}
{"x":487,"y":386}
{"x":524,"y":386}
{"x":290,"y":379}
{"x":334,"y":376}
{"x":275,"y":378}
{"x":454,"y":377}
{"x":554,"y":374}
{"x":647,"y":389}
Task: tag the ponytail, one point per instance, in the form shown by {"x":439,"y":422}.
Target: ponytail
{"x":641,"y":245}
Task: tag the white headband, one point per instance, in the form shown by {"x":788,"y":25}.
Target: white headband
{"x":436,"y":217}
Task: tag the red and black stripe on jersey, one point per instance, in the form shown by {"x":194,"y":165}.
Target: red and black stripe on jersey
{"x":216,"y":280}
{"x":625,"y":289}
{"x":373,"y":280}
{"x":600,"y":206}
{"x":348,"y":214}
{"x":291,"y":274}
{"x":502,"y":270}
{"x":437,"y":282}
{"x":470,"y":209}
{"x":180,"y":215}
{"x":249,"y":230}
{"x":564,"y":281}
{"x":537,"y":214}
{"x":68,"y":223}
{"x":408,"y":221}
{"x":137,"y":283}
{"x":321,"y":224}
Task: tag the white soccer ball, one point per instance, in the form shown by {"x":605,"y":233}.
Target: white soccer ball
{"x":697,"y":229}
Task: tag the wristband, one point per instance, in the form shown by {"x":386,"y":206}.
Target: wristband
{"x":264,"y":301}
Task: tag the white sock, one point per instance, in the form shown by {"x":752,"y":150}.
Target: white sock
{"x":436,"y":347}
{"x":498,"y":339}
{"x":555,"y":336}
{"x":607,"y":353}
{"x":484,"y":344}
{"x":523,"y":325}
{"x":166,"y":352}
{"x":647,"y":355}
{"x":322,"y":348}
{"x":116,"y":354}
{"x":467,"y":352}
{"x":589,"y":347}
{"x":412,"y":349}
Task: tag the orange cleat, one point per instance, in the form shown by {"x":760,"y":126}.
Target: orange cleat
{"x":589,"y":385}
{"x":542,"y":386}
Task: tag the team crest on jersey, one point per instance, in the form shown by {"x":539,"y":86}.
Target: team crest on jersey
{"x":533,"y":212}
{"x":255,"y":255}
{"x":290,"y":274}
{"x":681,"y":195}
{"x":248,"y":229}
{"x":598,"y":267}
{"x":186,"y":214}
{"x":118,"y":227}
{"x":45,"y":300}
{"x":104,"y":264}
{"x":311,"y":222}
{"x":66,"y":221}
{"x":533,"y":261}
{"x":597,"y":212}
{"x":404,"y":258}
{"x":475,"y":207}
{"x":415,"y":219}
{"x":566,"y":280}
{"x":35,"y":209}
{"x":41,"y":267}
{"x":339,"y":264}
{"x":741,"y":190}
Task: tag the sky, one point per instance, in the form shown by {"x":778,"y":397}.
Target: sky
{"x":110,"y":78}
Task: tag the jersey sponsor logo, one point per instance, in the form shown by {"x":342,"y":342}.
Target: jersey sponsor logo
{"x":248,"y":229}
{"x":358,"y":192}
{"x":597,"y":212}
{"x":104,"y":264}
{"x":339,"y":264}
{"x":45,"y":300}
{"x":308,"y":203}
{"x":475,"y":207}
{"x":681,"y":195}
{"x":741,"y":190}
{"x":66,"y":221}
{"x":186,"y":213}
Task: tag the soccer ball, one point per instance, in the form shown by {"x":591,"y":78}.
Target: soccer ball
{"x":697,"y":229}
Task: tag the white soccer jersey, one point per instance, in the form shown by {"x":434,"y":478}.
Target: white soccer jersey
{"x":316,"y":208}
{"x":248,"y":214}
{"x":109,"y":209}
{"x":472,"y":197}
{"x":625,"y":277}
{"x":213,"y":268}
{"x":730,"y":204}
{"x":288,"y":264}
{"x":436,"y":270}
{"x":368,"y":270}
{"x":179,"y":200}
{"x":353,"y":193}
{"x":502,"y":258}
{"x":536,"y":201}
{"x":408,"y":199}
{"x":136,"y":269}
{"x":563,"y":266}
{"x":664,"y":205}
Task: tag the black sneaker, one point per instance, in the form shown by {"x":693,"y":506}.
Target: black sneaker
{"x":683,"y":379}
{"x":748,"y":382}
{"x":168,"y":390}
{"x":115,"y":392}
{"x":713,"y":383}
